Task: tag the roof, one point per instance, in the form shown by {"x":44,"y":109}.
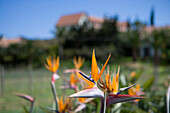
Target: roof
{"x":69,"y":19}
{"x":6,"y":42}
{"x":120,"y":24}
{"x":149,"y":29}
{"x":96,"y":20}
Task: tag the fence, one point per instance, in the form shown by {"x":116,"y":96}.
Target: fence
{"x":2,"y":80}
{"x":34,"y":82}
{"x":24,"y":79}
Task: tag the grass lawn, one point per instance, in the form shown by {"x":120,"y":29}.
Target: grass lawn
{"x":18,"y":80}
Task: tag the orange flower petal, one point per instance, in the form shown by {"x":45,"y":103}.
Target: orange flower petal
{"x":49,"y":68}
{"x":75,"y":62}
{"x":117,"y":79}
{"x":137,"y":88}
{"x":98,"y":77}
{"x":52,"y":64}
{"x":49,"y":61}
{"x":94,"y":67}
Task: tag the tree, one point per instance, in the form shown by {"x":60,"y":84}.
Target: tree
{"x":166,"y":45}
{"x":152,"y":17}
{"x":155,"y":41}
{"x":109,"y":27}
{"x":160,"y":39}
{"x":133,"y":35}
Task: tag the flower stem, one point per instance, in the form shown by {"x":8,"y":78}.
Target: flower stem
{"x":103,"y":104}
{"x":31,"y":108}
{"x":54,"y":94}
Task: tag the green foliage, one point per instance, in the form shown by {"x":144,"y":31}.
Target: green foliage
{"x":165,"y":47}
{"x":25,"y":109}
{"x":155,"y":101}
{"x":157,"y":39}
{"x":136,"y":77}
{"x":147,"y":85}
{"x":109,"y":28}
{"x":131,"y":108}
{"x":27,"y":52}
{"x":79,"y":40}
{"x":152,"y":17}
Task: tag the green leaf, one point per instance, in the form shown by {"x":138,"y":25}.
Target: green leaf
{"x":136,"y":77}
{"x":47,"y":110}
{"x":147,"y":85}
{"x":138,"y":110}
{"x":25,"y":109}
{"x":98,"y":107}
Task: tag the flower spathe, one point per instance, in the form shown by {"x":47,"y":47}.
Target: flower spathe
{"x":93,"y":92}
{"x":112,"y":98}
{"x":27,"y":97}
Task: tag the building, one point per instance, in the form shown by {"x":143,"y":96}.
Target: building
{"x":146,"y":49}
{"x":72,"y":20}
{"x":95,"y":22}
{"x":5,"y":42}
{"x":122,"y":26}
{"x":80,"y":19}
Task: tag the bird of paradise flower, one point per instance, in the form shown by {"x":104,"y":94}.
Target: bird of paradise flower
{"x":72,"y":83}
{"x":95,"y":92}
{"x":27,"y":97}
{"x":53,"y":65}
{"x":136,"y":91}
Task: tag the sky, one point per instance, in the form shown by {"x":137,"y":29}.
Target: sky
{"x":36,"y":19}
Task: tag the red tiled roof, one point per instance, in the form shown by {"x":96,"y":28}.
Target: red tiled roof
{"x":121,"y":24}
{"x":7,"y":42}
{"x":149,"y":29}
{"x":96,"y":20}
{"x":69,"y":19}
{"x":164,"y":27}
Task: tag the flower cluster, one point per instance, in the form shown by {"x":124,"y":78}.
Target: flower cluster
{"x":87,"y":88}
{"x":109,"y":86}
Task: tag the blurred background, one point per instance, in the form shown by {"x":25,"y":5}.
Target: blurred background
{"x":136,"y":33}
